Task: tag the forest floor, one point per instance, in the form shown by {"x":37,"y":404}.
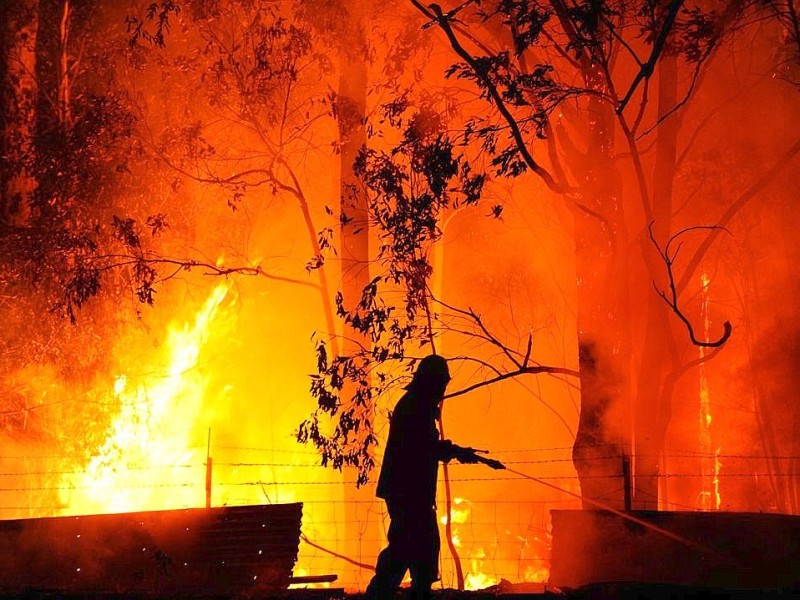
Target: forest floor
{"x":605,"y":591}
{"x":608,"y":591}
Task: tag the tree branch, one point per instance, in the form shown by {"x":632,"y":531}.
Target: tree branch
{"x":668,"y":256}
{"x":124,"y":260}
{"x":537,"y":370}
{"x":443,"y":21}
{"x":733,"y":209}
{"x":646,"y":70}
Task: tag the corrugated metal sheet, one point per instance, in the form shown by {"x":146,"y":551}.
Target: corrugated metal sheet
{"x":216,"y":551}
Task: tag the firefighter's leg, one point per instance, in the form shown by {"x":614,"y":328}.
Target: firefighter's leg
{"x":425,"y":568}
{"x":389,"y":574}
{"x":392,"y":561}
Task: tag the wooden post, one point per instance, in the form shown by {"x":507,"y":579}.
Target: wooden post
{"x":626,"y":481}
{"x":209,"y":463}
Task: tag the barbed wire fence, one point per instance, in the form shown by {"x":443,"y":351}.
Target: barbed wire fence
{"x":501,"y":519}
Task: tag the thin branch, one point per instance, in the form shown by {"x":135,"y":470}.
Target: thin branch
{"x":669,"y":256}
{"x":544,"y":403}
{"x":538,"y":370}
{"x":469,"y":334}
{"x":482,"y":363}
{"x":479,"y":322}
{"x":678,"y":105}
{"x":487,"y":335}
{"x":352,"y":561}
{"x":125,"y":260}
{"x":613,"y":30}
{"x":528,"y":350}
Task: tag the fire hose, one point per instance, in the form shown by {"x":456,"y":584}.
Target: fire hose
{"x":473,"y":455}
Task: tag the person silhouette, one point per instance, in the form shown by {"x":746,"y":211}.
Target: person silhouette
{"x":407,"y":483}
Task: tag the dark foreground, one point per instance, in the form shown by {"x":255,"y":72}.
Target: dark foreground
{"x":601,"y":592}
{"x":608,"y":591}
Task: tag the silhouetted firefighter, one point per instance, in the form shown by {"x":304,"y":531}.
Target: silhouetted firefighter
{"x":407,"y":483}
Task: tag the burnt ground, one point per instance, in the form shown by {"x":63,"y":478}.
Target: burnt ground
{"x":596,"y":592}
{"x":610,"y":591}
{"x":607,"y":591}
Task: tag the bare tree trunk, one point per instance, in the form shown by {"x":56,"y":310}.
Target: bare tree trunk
{"x":354,"y":229}
{"x":603,"y":349}
{"x":64,"y":80}
{"x":652,"y":409}
{"x":354,"y":252}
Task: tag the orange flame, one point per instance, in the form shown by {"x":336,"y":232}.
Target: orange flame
{"x":148,"y":461}
{"x":710,"y":497}
{"x":483,"y":563}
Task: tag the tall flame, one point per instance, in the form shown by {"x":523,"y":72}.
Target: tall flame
{"x":710,"y":497}
{"x":150,"y":459}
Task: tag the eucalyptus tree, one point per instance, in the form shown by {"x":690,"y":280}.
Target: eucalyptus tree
{"x":581,"y":97}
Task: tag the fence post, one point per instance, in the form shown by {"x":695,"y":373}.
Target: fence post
{"x":209,"y":463}
{"x":626,"y":481}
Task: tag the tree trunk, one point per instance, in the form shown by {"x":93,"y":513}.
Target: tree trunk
{"x":17,"y":88}
{"x":652,"y":409}
{"x":354,"y":254}
{"x":49,"y":133}
{"x":601,"y":316}
{"x":354,"y":229}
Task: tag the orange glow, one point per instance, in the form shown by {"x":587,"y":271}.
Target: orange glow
{"x":475,"y":579}
{"x":486,"y":563}
{"x":232,"y":138}
{"x":151,"y":459}
{"x":710,"y":498}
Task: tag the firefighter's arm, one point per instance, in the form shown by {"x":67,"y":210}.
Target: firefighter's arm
{"x":471,"y":456}
{"x":446,"y":450}
{"x":449,"y":451}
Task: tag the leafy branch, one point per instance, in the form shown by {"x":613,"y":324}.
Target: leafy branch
{"x":481,"y":70}
{"x":411,"y":186}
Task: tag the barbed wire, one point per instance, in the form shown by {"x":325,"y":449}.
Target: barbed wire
{"x":316,"y":465}
{"x":199,"y":485}
{"x":173,"y":485}
{"x":323,"y":536}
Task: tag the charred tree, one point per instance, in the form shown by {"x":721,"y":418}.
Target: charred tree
{"x":651,"y":409}
{"x":602,"y":314}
